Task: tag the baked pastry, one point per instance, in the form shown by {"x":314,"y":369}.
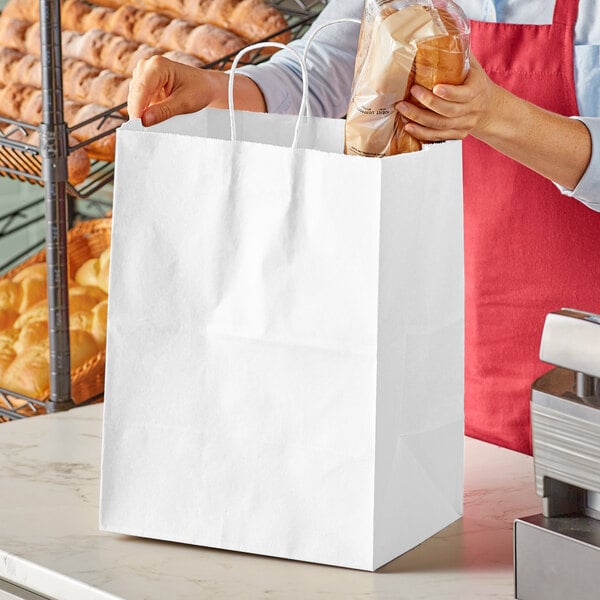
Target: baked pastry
{"x":78,"y":162}
{"x":7,"y":317}
{"x":24,"y":103}
{"x":27,"y":10}
{"x":21,"y":295}
{"x":34,"y":271}
{"x":29,"y":372}
{"x":94,"y":272}
{"x":24,"y":340}
{"x":98,"y":48}
{"x":252,"y":20}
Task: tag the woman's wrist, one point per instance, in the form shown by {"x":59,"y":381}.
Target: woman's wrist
{"x":553,"y":145}
{"x":246,"y":94}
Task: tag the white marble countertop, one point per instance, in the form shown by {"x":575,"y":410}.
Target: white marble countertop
{"x":50,"y":543}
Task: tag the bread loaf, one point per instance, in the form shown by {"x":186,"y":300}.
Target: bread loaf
{"x":252,"y":20}
{"x":26,"y":10}
{"x":442,"y":59}
{"x":98,"y":48}
{"x":211,"y":43}
{"x":25,"y":103}
{"x":148,"y":26}
{"x":399,"y":46}
{"x":206,"y":42}
{"x":78,"y":161}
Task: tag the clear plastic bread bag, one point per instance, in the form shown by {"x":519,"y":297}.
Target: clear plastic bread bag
{"x":401,"y":43}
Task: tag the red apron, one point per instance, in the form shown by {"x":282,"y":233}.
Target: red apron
{"x":528,"y":249}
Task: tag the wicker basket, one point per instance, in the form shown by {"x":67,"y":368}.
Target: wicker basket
{"x":86,"y":240}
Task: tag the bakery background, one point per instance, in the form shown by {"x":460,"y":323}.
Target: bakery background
{"x":101,"y":43}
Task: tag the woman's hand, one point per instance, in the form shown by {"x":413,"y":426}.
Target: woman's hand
{"x":161,"y":88}
{"x":451,"y":112}
{"x":553,"y":145}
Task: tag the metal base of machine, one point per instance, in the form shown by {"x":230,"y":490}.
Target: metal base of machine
{"x":557,"y":558}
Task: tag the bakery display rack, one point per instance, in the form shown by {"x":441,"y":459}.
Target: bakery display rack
{"x":45,"y":164}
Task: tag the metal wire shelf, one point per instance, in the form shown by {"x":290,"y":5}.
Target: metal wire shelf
{"x":25,"y":162}
{"x":14,"y":406}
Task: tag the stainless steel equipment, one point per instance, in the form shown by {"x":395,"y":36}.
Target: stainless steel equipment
{"x":557,"y":553}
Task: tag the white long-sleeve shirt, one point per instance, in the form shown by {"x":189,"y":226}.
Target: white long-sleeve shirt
{"x":332,"y":55}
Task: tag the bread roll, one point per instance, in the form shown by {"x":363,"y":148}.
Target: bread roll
{"x":82,"y":319}
{"x":31,"y":334}
{"x":29,"y":372}
{"x":87,"y":274}
{"x":21,"y":295}
{"x":93,"y":321}
{"x":34,"y":271}
{"x":33,"y":290}
{"x":7,"y":351}
{"x":84,"y":297}
{"x":11,"y":294}
{"x":83,"y":347}
{"x":98,"y":330}
{"x":94,"y":272}
{"x":24,"y":340}
{"x":39,"y":312}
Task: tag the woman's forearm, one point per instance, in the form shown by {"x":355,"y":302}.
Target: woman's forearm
{"x":553,"y":145}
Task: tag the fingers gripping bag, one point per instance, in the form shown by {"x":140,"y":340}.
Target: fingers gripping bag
{"x":402,"y":43}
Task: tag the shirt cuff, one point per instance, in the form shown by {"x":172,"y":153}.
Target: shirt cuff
{"x":588,"y":188}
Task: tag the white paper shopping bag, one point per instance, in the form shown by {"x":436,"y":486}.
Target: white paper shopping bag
{"x":285,"y":341}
